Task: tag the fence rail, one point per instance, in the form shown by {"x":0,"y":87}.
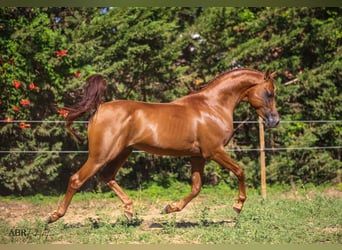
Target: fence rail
{"x":140,"y":151}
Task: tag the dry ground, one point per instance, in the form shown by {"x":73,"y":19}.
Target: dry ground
{"x":80,"y":211}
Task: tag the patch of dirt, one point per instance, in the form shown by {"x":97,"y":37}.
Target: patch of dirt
{"x":333,"y":193}
{"x":18,"y":211}
{"x":78,"y":212}
{"x":332,"y":230}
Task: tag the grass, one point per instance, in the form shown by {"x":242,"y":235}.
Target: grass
{"x":306,"y":215}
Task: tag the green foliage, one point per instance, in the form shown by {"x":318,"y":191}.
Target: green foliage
{"x":160,"y":54}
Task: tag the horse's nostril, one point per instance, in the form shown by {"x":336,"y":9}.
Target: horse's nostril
{"x":277,"y":120}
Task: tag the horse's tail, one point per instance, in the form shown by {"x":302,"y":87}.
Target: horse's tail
{"x":94,"y":90}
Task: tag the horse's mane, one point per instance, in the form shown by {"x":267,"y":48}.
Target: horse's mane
{"x":219,"y":77}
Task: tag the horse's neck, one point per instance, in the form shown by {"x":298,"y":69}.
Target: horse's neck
{"x":225,"y":92}
{"x":230,"y":90}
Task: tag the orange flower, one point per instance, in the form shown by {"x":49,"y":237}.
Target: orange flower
{"x":8,"y":119}
{"x":25,"y":102}
{"x":32,"y":86}
{"x":16,"y":84}
{"x":63,"y":112}
{"x":16,"y":109}
{"x":77,"y":74}
{"x":24,"y":125}
{"x":61,"y":53}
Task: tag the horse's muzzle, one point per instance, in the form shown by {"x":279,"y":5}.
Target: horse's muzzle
{"x":272,"y":120}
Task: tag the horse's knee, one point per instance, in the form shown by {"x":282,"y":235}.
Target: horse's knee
{"x":196,"y":185}
{"x":240,"y":174}
{"x":75,"y":182}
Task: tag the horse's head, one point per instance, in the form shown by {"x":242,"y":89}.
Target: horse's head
{"x":261,"y":97}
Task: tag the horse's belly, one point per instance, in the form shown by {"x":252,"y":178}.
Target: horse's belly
{"x":173,"y":151}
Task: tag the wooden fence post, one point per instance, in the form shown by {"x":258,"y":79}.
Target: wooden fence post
{"x":262,"y":158}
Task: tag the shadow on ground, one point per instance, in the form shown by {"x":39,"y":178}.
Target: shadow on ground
{"x":187,"y":224}
{"x":96,"y":223}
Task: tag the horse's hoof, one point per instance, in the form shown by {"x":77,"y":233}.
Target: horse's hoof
{"x":48,"y":220}
{"x":237,"y":207}
{"x":128,"y":215}
{"x":167,"y":210}
{"x":237,"y":210}
{"x":52,"y":217}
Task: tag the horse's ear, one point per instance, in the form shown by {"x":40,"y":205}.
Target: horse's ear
{"x":269,"y":75}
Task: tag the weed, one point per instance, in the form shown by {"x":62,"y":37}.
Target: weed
{"x":169,"y":227}
{"x":203,"y":222}
{"x":135,"y":222}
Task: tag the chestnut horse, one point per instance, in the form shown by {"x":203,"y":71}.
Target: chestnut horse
{"x":198,"y":125}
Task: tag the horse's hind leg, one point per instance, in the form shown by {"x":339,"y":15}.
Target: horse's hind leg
{"x":75,"y":182}
{"x":197,"y":166}
{"x":108,"y":174}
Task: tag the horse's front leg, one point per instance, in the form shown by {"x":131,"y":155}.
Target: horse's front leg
{"x":221,"y":157}
{"x":197,"y":166}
